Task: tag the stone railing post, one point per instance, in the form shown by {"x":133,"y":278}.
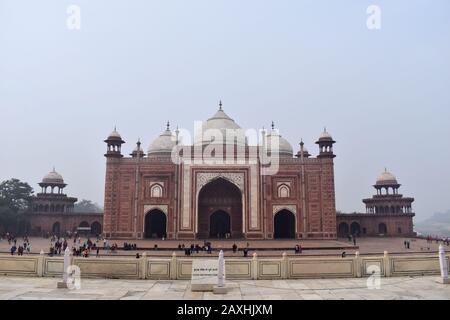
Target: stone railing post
{"x":144,"y":265}
{"x":254,"y":266}
{"x":41,"y":264}
{"x":387,"y":264}
{"x":358,"y":265}
{"x":443,"y":265}
{"x":284,"y":266}
{"x":173,"y":267}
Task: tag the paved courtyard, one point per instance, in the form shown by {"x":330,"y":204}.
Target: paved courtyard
{"x":20,"y":288}
{"x":265,"y":247}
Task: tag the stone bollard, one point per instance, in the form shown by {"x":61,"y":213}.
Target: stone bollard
{"x":41,"y":264}
{"x":444,"y":266}
{"x":284,"y":266}
{"x":144,"y":265}
{"x":173,"y":266}
{"x":387,"y":265}
{"x":220,"y":275}
{"x":358,"y":266}
{"x":63,"y":284}
{"x":255,"y":266}
{"x":220,"y":288}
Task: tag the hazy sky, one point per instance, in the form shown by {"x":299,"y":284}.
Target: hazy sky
{"x":383,"y":94}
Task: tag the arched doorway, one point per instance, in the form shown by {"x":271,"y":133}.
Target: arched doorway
{"x":284,"y":225}
{"x":343,"y":229}
{"x":382,"y":228}
{"x":96,"y":228}
{"x":355,"y":228}
{"x":155,"y":224}
{"x":220,"y":224}
{"x":56,"y":228}
{"x":219,"y":195}
{"x":84,"y":228}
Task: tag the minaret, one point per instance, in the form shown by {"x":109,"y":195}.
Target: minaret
{"x":137,"y":152}
{"x":114,"y":145}
{"x":325,"y":143}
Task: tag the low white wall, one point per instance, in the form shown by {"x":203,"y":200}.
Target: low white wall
{"x":235,"y":268}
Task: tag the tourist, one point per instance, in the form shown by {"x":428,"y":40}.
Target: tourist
{"x":156,"y":247}
{"x":343,"y":254}
{"x":234,"y":248}
{"x":137,"y":255}
{"x":245,"y":252}
{"x":407,"y":244}
{"x":354,"y":240}
{"x":13,"y":250}
{"x":97,"y":254}
{"x":296,"y":249}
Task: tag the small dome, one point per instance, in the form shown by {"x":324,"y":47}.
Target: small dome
{"x":53,"y":177}
{"x":163,"y":144}
{"x":277,"y":141}
{"x":325,"y":136}
{"x":387,"y":178}
{"x":114,"y":135}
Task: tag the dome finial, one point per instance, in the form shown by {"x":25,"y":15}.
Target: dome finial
{"x":325,"y":129}
{"x":220,"y":105}
{"x":301,"y":142}
{"x":168,"y":125}
{"x":54,"y":169}
{"x":273,"y":125}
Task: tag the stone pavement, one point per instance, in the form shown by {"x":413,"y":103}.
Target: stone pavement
{"x":371,"y":245}
{"x":19,"y":288}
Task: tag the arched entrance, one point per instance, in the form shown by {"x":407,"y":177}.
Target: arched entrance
{"x":219,"y":195}
{"x":56,"y":228}
{"x":343,"y":229}
{"x":155,"y":224}
{"x":96,"y":228}
{"x":355,"y":229}
{"x":220,"y":224}
{"x":382,"y":228}
{"x":284,"y":225}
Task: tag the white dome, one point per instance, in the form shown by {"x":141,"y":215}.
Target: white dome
{"x":275,"y":140}
{"x":163,"y":144}
{"x":53,"y":177}
{"x":220,"y":125}
{"x":387,"y":178}
{"x":325,"y":135}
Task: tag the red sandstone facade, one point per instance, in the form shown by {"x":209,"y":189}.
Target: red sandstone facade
{"x":52,"y":211}
{"x":154,"y":196}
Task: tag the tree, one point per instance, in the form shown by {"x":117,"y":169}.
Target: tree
{"x":87,"y":206}
{"x":15,"y":199}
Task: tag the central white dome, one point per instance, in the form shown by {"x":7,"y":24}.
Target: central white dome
{"x":220,"y":128}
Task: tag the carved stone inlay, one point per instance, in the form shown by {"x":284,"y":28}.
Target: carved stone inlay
{"x":203,"y":178}
{"x":291,"y":207}
{"x":163,"y":207}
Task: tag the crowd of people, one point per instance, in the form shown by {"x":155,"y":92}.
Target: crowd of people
{"x":444,"y":240}
{"x":195,"y":248}
{"x":20,"y":249}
